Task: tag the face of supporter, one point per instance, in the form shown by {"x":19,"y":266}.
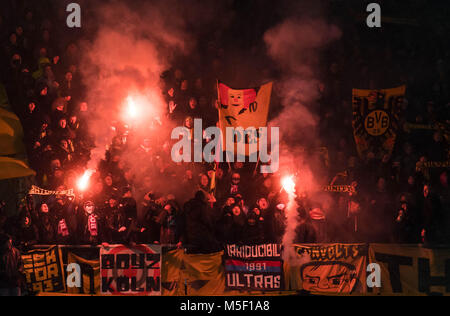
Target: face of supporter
{"x":236,"y":179}
{"x":44,"y":91}
{"x":219,"y":173}
{"x":55,"y":164}
{"x":189,"y":174}
{"x":16,"y":61}
{"x":69,"y":76}
{"x":64,"y":144}
{"x":13,"y":39}
{"x":184,"y":85}
{"x":381,"y":185}
{"x":168,"y":208}
{"x":108,"y":181}
{"x":236,"y":211}
{"x":73,"y":120}
{"x":230,"y":201}
{"x":437,"y":137}
{"x":83,"y":107}
{"x":112,"y":203}
{"x":43,"y":52}
{"x":263,"y":204}
{"x":204,"y":180}
{"x":31,"y":106}
{"x":426,"y":191}
{"x":63,"y":123}
{"x":189,"y":123}
{"x":411,"y":180}
{"x":90,"y":209}
{"x":44,"y":208}
{"x":19,"y":31}
{"x":171,"y":92}
{"x":192,"y":103}
{"x":48,"y":72}
{"x":256,"y":211}
{"x":268,"y":183}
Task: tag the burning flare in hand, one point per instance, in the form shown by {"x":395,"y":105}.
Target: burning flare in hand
{"x":83,"y":182}
{"x":132,"y":110}
{"x":288,"y":184}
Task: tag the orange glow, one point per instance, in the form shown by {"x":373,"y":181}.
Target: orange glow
{"x":288,"y":184}
{"x":132,"y":109}
{"x":83,"y":182}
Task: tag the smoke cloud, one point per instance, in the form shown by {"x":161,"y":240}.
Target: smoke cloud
{"x":296,"y":45}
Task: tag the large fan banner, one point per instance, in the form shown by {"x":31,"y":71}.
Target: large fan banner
{"x":254,"y":268}
{"x":243,"y":109}
{"x":90,"y":275}
{"x":130,"y":270}
{"x":376,"y":119}
{"x":412,"y":270}
{"x":329,"y":268}
{"x":43,"y":271}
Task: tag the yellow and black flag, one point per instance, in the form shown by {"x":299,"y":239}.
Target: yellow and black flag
{"x":376,"y":116}
{"x":243,"y":108}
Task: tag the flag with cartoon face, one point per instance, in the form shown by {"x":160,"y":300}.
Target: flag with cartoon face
{"x":243,"y":108}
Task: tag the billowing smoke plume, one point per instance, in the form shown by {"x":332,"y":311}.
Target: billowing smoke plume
{"x":296,"y":45}
{"x":133,"y":45}
{"x":130,"y":45}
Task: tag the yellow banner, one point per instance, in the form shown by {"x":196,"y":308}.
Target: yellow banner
{"x":44,"y":270}
{"x":11,"y":134}
{"x":246,"y":108}
{"x":328,"y":269}
{"x":376,"y":116}
{"x":90,"y":275}
{"x":411,"y":270}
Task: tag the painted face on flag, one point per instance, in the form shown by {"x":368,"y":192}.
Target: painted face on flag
{"x":330,"y":277}
{"x":236,"y":102}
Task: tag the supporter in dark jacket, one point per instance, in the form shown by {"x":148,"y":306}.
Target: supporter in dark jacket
{"x":115,"y":222}
{"x":46,"y":226}
{"x":168,"y":221}
{"x":254,"y":228}
{"x":11,"y":268}
{"x":197,"y":232}
{"x":432,"y":218}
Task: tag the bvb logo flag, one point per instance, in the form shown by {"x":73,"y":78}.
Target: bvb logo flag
{"x":376,"y":119}
{"x":243,"y":109}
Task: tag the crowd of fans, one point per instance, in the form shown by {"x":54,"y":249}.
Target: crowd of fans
{"x":202,"y":206}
